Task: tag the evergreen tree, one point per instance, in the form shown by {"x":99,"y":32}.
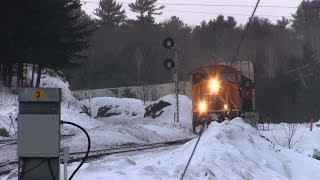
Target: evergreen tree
{"x":110,"y":13}
{"x":46,"y":33}
{"x":306,"y":23}
{"x":145,"y":6}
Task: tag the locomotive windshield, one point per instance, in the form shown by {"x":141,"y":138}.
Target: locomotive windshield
{"x":199,"y":77}
{"x":229,"y":76}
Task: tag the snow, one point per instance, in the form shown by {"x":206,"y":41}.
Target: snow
{"x":125,"y":106}
{"x":185,"y":109}
{"x":127,"y":129}
{"x":53,"y":80}
{"x":227,"y":150}
{"x":8,"y":107}
{"x":303,"y":140}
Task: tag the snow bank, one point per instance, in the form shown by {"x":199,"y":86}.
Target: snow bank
{"x":229,"y":150}
{"x":125,"y":128}
{"x":51,"y":79}
{"x":133,"y":108}
{"x":70,"y":105}
{"x":185,"y":109}
{"x":235,"y":150}
{"x":57,"y":82}
{"x":124,"y":107}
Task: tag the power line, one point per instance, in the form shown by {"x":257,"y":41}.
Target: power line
{"x":201,"y":12}
{"x":194,"y":149}
{"x":210,"y":13}
{"x":208,"y":5}
{"x":220,"y":5}
{"x":244,"y":34}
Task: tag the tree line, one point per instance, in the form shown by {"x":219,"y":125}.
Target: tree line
{"x":113,"y":50}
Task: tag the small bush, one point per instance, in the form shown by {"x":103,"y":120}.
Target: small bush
{"x":4,"y":132}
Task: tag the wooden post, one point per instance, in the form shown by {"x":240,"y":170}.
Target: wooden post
{"x":311,"y":124}
{"x":268,"y":121}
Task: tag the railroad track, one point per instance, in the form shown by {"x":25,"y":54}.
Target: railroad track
{"x":4,"y":141}
{"x":6,"y":167}
{"x":77,"y":156}
{"x":7,"y":142}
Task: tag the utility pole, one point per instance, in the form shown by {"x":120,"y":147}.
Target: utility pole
{"x":139,"y":57}
{"x":177,"y":83}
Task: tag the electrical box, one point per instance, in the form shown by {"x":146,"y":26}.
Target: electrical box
{"x":39,"y":133}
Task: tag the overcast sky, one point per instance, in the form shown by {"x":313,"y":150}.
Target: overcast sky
{"x":206,"y":12}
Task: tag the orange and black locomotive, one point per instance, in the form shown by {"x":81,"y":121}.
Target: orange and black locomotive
{"x":221,"y":92}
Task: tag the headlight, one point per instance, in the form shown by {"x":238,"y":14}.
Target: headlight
{"x":214,"y":85}
{"x":225,"y":107}
{"x":202,"y":107}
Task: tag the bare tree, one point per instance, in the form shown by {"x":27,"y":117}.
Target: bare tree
{"x":290,"y":138}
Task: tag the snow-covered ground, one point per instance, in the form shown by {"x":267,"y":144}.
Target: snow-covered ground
{"x":125,"y":128}
{"x":229,"y":150}
{"x":303,"y":140}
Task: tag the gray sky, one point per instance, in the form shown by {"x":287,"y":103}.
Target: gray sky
{"x":241,"y":14}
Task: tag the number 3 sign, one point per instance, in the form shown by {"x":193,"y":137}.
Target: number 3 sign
{"x":37,"y":94}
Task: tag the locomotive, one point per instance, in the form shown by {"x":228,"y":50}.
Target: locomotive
{"x":221,"y":92}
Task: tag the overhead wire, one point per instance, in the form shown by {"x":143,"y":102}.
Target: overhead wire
{"x":213,"y":5}
{"x":200,"y":12}
{"x":194,"y":149}
{"x":244,"y":34}
{"x":206,"y":5}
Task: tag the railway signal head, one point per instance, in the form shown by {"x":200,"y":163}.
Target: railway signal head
{"x":168,"y":64}
{"x":168,"y":43}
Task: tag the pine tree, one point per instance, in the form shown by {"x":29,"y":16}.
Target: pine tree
{"x":110,"y":13}
{"x":145,"y":6}
{"x":45,"y":33}
{"x":306,"y":23}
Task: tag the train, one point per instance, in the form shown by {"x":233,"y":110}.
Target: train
{"x":222,"y":92}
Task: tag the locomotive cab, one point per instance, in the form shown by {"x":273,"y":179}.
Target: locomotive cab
{"x":220,"y":92}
